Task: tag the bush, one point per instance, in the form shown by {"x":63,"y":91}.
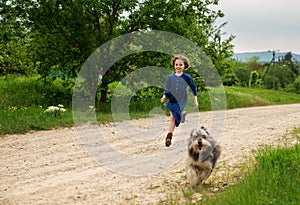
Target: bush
{"x":297,"y":85}
{"x":34,"y":91}
{"x":243,"y":74}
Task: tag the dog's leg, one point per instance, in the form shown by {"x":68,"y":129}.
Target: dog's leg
{"x":216,"y":155}
{"x":192,"y":176}
{"x":207,"y":173}
{"x":203,"y":175}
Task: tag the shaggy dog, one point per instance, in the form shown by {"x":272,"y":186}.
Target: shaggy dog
{"x":203,"y":153}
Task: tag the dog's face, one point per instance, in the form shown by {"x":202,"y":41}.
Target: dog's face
{"x":199,"y":140}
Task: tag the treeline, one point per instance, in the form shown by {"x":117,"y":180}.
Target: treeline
{"x":51,"y":40}
{"x":278,"y":74}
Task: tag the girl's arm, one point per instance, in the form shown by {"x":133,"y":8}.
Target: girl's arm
{"x":195,"y":102}
{"x":189,"y":80}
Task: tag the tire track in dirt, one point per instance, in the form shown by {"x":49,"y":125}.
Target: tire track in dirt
{"x":52,"y":167}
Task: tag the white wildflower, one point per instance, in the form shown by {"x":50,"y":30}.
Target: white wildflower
{"x":55,"y":111}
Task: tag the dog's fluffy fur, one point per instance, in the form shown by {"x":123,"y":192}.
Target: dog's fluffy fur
{"x":203,"y":153}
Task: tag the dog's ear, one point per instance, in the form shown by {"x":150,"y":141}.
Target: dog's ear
{"x":202,"y":133}
{"x":194,"y":133}
{"x":203,"y":128}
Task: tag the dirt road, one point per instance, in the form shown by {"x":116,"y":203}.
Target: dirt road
{"x":59,"y":166}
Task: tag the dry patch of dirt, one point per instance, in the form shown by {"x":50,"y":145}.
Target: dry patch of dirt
{"x":54,"y":167}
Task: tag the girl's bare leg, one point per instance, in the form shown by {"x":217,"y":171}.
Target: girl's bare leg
{"x":172,"y":123}
{"x":171,"y":130}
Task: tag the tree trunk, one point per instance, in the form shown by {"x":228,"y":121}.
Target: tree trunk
{"x":103,"y":92}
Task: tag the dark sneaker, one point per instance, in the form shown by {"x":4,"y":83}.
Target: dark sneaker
{"x":168,"y":139}
{"x":183,"y":116}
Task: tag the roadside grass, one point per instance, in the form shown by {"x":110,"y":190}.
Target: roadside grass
{"x":272,"y":177}
{"x":239,"y":97}
{"x":15,"y":118}
{"x":25,"y":119}
{"x":258,"y":97}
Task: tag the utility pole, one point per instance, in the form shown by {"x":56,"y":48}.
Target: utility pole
{"x":219,"y":40}
{"x":273,"y":61}
{"x":271,"y":65}
{"x":273,"y":70}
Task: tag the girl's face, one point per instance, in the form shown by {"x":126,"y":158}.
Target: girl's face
{"x":179,"y":66}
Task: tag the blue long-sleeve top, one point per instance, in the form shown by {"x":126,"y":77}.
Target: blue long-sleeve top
{"x":176,"y":91}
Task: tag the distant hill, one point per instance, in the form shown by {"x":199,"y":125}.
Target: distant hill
{"x":263,"y":56}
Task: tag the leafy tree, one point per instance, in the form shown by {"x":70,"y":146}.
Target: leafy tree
{"x":297,"y":85}
{"x":192,"y":19}
{"x":13,"y":40}
{"x":288,"y":60}
{"x":281,"y":78}
{"x":65,"y":33}
{"x":243,"y":74}
{"x":61,"y":35}
{"x":254,"y":78}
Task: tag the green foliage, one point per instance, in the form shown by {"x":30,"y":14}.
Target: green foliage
{"x":279,"y":77}
{"x":17,"y":118}
{"x":293,"y":87}
{"x":230,"y":79}
{"x":13,"y":41}
{"x":243,"y":74}
{"x":56,"y":37}
{"x":253,"y":79}
{"x":33,"y":91}
{"x":56,"y":91}
{"x":297,"y":85}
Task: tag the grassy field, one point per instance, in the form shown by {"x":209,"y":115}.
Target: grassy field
{"x":22,"y":119}
{"x":245,"y":97}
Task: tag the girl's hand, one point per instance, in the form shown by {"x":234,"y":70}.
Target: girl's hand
{"x":195,"y":105}
{"x":195,"y":102}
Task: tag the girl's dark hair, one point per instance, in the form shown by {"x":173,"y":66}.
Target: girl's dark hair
{"x":184,"y":60}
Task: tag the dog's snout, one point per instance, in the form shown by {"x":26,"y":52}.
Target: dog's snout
{"x":200,"y":142}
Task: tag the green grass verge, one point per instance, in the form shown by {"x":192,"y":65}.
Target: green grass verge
{"x":24,"y":119}
{"x":238,"y":97}
{"x":274,"y":179}
{"x":246,"y":97}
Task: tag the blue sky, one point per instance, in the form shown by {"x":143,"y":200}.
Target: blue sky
{"x":262,"y":25}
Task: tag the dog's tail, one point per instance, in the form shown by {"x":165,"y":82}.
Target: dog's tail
{"x":216,"y":155}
